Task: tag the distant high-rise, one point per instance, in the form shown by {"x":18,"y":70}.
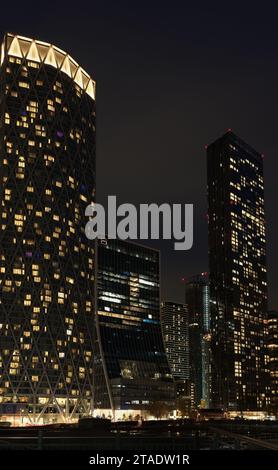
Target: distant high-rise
{"x":198,"y":304}
{"x":47,"y":160}
{"x":272,"y":325}
{"x":132,"y":370}
{"x":174,"y":319}
{"x":238,"y":278}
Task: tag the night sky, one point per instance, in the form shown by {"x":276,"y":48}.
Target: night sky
{"x":171,"y":78}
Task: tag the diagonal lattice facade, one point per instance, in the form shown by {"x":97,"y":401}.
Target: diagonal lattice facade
{"x":47,"y":178}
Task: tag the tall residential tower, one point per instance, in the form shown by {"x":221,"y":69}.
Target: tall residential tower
{"x":272,"y":344}
{"x":238,"y":278}
{"x":174,"y":319}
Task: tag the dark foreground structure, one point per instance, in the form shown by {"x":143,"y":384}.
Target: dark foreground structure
{"x":155,"y":436}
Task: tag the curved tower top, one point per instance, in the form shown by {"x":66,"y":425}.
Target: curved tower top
{"x":43,"y":52}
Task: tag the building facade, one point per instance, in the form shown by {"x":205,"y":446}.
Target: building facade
{"x":174,"y":320}
{"x":272,"y":344}
{"x":238,"y":277}
{"x":132,"y":371}
{"x":47,"y":178}
{"x":198,"y":303}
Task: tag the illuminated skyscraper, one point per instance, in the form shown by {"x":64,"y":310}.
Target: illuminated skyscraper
{"x":272,"y":325}
{"x":238,"y":279}
{"x":198,"y":304}
{"x":47,"y":178}
{"x":174,"y":319}
{"x":131,"y":350}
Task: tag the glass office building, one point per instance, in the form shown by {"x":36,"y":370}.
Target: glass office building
{"x":47,"y":160}
{"x":132,"y":370}
{"x":238,"y":275}
{"x":198,"y":303}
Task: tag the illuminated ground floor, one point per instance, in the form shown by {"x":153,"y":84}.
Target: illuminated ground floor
{"x":30,"y":411}
{"x":44,"y":410}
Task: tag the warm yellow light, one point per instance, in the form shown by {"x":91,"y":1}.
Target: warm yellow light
{"x":41,"y":52}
